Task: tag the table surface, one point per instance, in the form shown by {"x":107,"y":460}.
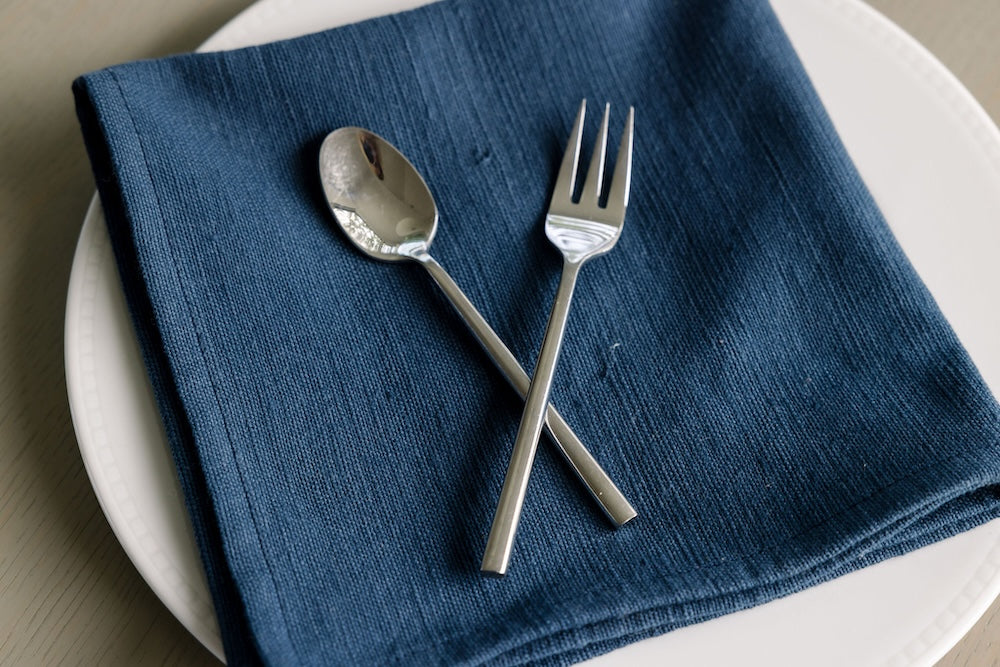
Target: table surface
{"x":68,"y":593}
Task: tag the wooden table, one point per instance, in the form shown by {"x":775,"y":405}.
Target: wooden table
{"x":68,"y":593}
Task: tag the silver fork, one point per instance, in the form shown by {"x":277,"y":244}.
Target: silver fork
{"x":580,"y":231}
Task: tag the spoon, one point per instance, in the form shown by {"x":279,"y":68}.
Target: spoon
{"x":383,"y":205}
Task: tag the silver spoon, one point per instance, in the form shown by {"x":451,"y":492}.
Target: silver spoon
{"x":386,"y":210}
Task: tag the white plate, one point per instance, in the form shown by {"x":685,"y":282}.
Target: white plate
{"x":931,"y":157}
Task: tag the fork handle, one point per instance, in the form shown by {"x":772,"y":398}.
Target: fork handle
{"x":609,"y":497}
{"x":501,"y":540}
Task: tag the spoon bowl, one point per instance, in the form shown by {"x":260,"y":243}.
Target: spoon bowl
{"x":377,"y":197}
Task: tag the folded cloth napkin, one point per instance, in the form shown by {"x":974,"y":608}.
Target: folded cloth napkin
{"x":756,"y":363}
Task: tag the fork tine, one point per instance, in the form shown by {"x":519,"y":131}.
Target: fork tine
{"x":571,"y":158}
{"x":621,"y":179}
{"x":595,"y":172}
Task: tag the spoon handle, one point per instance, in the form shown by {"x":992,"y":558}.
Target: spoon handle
{"x":604,"y":491}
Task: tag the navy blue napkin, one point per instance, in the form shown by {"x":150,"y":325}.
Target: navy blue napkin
{"x":756,"y":363}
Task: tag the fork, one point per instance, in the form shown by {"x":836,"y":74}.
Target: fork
{"x":580,"y":230}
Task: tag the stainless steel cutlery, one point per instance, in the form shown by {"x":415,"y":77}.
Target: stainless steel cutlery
{"x":384,"y":207}
{"x":581,"y":228}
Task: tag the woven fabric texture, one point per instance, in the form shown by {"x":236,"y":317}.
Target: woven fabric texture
{"x":756,"y":363}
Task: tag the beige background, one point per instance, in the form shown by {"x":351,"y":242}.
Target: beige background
{"x":68,"y":594}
